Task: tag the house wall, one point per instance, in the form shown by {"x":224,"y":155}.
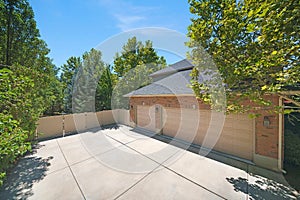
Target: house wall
{"x":266,"y":142}
{"x":169,"y":101}
{"x":267,"y":137}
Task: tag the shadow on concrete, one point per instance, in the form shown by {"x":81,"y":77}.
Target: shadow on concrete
{"x":262,"y":188}
{"x":271,"y":187}
{"x":110,"y":126}
{"x":20,"y":180}
{"x":194,"y":148}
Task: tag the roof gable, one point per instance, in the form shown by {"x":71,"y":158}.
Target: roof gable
{"x":176,"y":67}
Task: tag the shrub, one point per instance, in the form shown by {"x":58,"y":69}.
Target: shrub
{"x":23,"y":98}
{"x":292,"y":147}
{"x":13,"y":143}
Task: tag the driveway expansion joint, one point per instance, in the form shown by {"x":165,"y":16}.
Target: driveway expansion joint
{"x":72,"y":172}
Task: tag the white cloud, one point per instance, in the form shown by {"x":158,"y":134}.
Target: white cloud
{"x":126,"y":22}
{"x":128,"y":16}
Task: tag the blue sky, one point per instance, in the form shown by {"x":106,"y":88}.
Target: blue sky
{"x":71,"y":27}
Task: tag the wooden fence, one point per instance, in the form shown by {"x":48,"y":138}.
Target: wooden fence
{"x":56,"y":126}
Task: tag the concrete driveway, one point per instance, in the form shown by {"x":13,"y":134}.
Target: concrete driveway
{"x":117,"y":163}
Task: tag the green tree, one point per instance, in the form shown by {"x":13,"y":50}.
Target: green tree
{"x":86,"y":81}
{"x":133,"y":66}
{"x":20,"y":39}
{"x":20,"y":45}
{"x":57,"y":102}
{"x":255,"y":46}
{"x":104,"y":89}
{"x":67,"y":77}
{"x":28,"y":81}
{"x":136,"y":53}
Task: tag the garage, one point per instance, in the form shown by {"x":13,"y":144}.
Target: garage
{"x":192,"y":125}
{"x":169,"y":106}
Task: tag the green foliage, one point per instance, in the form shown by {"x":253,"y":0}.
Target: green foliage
{"x":254,"y":45}
{"x":105,"y":89}
{"x":86,"y":82}
{"x":12,"y":143}
{"x":20,"y":45}
{"x":19,"y":37}
{"x":292,"y":122}
{"x":24,"y":95}
{"x":57,"y":97}
{"x":136,"y":53}
{"x":292,"y":138}
{"x":67,"y":78}
{"x":28,"y":83}
{"x":132,"y":80}
{"x":132,"y":66}
{"x":292,"y":147}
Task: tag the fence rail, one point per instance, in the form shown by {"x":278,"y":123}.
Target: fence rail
{"x":56,"y":126}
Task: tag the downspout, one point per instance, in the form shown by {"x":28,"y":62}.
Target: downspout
{"x":280,"y":131}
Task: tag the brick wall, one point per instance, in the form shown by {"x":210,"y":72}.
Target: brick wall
{"x":266,"y":138}
{"x":169,"y":101}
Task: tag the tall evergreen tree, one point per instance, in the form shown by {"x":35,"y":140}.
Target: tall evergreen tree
{"x":86,"y":81}
{"x":105,"y":88}
{"x":67,"y":79}
{"x":20,"y":39}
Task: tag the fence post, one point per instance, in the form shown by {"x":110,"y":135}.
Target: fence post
{"x":85,"y":114}
{"x":63,"y":125}
{"x":36,"y":134}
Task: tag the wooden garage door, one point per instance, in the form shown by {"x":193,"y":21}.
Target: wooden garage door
{"x":181,"y":123}
{"x":236,"y":136}
{"x":146,"y":117}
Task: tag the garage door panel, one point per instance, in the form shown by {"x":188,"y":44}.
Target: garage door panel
{"x":244,"y":117}
{"x":236,"y":137}
{"x":146,"y":117}
{"x":188,"y":130}
{"x":238,"y":151}
{"x":236,"y":142}
{"x":244,"y":126}
{"x":175,"y":122}
{"x":172,"y":129}
{"x":236,"y":132}
{"x":241,"y":154}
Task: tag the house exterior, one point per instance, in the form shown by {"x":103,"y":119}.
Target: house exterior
{"x":169,"y":107}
